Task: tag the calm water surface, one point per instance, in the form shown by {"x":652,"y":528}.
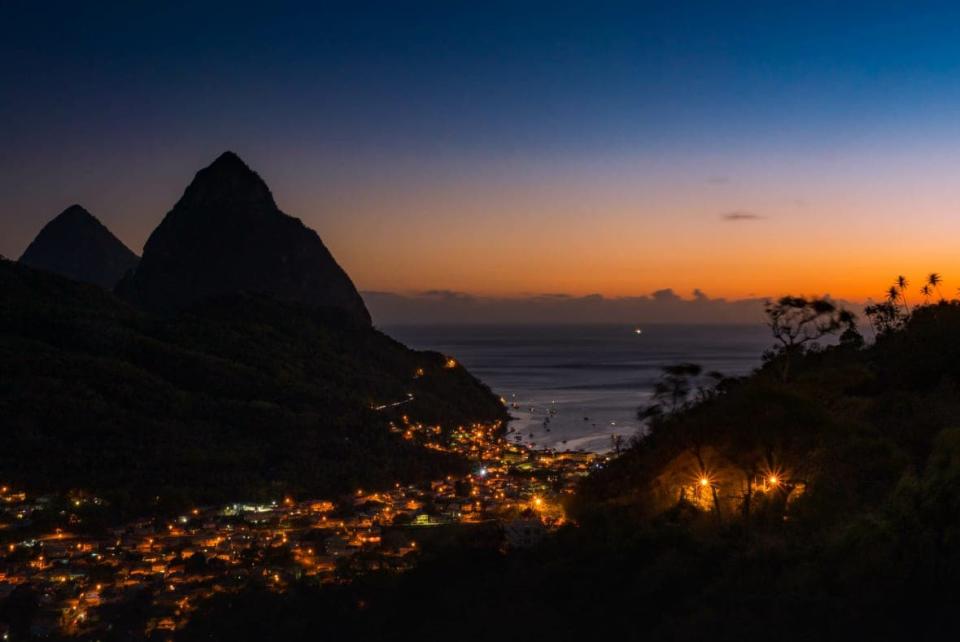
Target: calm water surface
{"x":575,"y":386}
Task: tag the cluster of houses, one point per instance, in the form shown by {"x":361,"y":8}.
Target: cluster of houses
{"x":77,"y":580}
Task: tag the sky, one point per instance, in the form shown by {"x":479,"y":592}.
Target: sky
{"x":511,"y":150}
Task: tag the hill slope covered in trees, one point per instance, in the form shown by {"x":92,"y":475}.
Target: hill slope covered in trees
{"x":836,"y":515}
{"x":240,"y":396}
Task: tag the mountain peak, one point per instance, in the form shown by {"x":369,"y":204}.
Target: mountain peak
{"x":227,"y":180}
{"x":229,"y":163}
{"x":77,"y":245}
{"x":229,"y":157}
{"x":75,"y":215}
{"x":226,"y":235}
{"x":75,"y":211}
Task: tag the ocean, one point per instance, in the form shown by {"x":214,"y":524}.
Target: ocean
{"x":573,"y":387}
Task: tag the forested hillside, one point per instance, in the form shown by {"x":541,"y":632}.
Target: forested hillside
{"x":241,"y":396}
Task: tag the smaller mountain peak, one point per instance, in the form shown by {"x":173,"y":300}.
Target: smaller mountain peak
{"x":76,"y":211}
{"x":77,"y":245}
{"x":74,"y":220}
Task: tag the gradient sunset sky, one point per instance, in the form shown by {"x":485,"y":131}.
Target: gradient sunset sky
{"x":508,"y":149}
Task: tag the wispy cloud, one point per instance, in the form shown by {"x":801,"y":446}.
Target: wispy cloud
{"x":664,"y":305}
{"x":660,"y":306}
{"x":447,"y":295}
{"x":718,"y":180}
{"x":740,"y":215}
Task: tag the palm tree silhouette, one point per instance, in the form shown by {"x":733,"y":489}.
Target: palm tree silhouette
{"x":933,"y":281}
{"x":926,"y":291}
{"x":902,"y":284}
{"x":893,"y":295}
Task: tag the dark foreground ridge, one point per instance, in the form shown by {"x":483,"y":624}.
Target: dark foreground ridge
{"x":226,"y":235}
{"x":817,"y":501}
{"x":243,"y":396}
{"x":77,"y":245}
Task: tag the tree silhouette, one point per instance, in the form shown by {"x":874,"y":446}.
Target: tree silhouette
{"x":933,"y":282}
{"x":682,"y":388}
{"x":901,"y":285}
{"x":616,"y":442}
{"x":798,"y":321}
{"x":893,"y":296}
{"x":895,"y":311}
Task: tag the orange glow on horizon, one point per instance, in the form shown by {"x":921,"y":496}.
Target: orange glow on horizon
{"x":530,"y":242}
{"x":518,"y":275}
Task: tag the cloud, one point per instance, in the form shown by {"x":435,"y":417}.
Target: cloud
{"x":660,"y":306}
{"x":666,"y":294}
{"x":741,"y":215}
{"x":718,"y":180}
{"x":552,"y":296}
{"x":445,"y":307}
{"x":447,"y":295}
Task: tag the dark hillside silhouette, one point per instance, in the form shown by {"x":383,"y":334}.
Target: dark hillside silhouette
{"x":819,"y":506}
{"x":242,"y":396}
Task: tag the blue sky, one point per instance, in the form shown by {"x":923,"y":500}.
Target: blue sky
{"x":595,"y":125}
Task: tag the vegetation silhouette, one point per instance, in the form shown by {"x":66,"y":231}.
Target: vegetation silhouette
{"x":831,"y":511}
{"x":240,"y":397}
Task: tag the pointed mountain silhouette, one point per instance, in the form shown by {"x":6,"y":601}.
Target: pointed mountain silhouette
{"x":226,"y":235}
{"x":77,"y":245}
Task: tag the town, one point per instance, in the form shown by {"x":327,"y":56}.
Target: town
{"x":511,"y":498}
